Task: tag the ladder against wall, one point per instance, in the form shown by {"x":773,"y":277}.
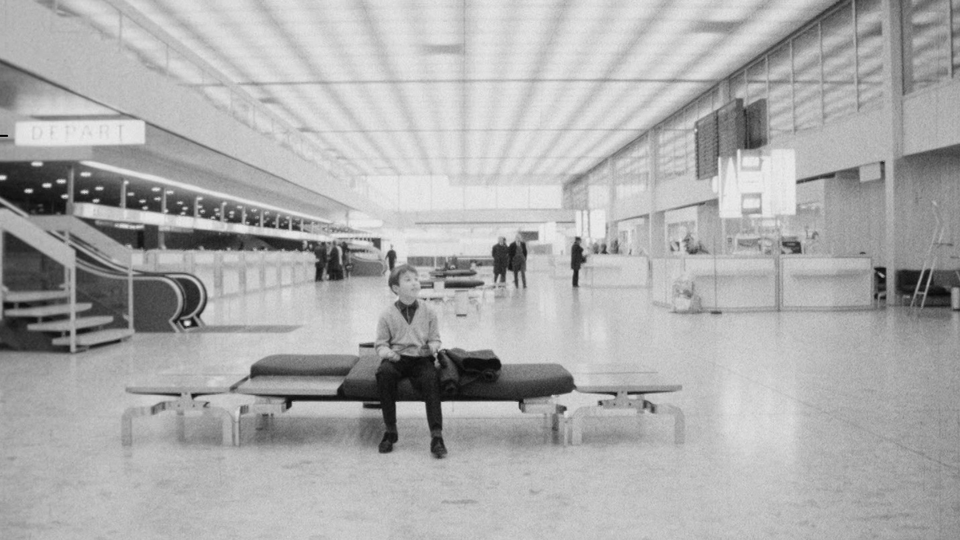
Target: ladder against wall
{"x":940,"y":249}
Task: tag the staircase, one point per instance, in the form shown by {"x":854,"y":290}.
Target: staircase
{"x":50,"y":319}
{"x":43,"y":320}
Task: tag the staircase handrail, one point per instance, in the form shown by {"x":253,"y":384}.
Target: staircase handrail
{"x":80,"y":244}
{"x":90,"y":235}
{"x":13,"y":208}
{"x":37,"y":238}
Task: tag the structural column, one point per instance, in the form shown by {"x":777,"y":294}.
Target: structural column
{"x":71,"y":188}
{"x":893,"y":98}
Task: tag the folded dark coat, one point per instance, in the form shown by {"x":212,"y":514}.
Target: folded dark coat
{"x":480,"y":365}
{"x":449,"y":376}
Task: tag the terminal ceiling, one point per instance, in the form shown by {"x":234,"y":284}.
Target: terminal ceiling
{"x":482,"y":92}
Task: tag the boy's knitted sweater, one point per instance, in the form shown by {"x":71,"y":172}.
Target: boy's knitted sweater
{"x":394,"y":333}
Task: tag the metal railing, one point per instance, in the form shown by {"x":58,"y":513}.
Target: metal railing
{"x":143,"y":40}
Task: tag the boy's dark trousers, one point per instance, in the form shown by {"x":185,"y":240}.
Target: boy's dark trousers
{"x":423,"y":375}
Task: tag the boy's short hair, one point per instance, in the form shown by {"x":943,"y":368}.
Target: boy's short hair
{"x":394,"y":278}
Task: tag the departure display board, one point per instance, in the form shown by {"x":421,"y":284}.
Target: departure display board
{"x":707,"y":146}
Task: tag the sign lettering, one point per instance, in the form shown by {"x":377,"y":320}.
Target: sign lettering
{"x":80,"y":133}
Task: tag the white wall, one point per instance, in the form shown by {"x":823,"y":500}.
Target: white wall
{"x":923,"y":179}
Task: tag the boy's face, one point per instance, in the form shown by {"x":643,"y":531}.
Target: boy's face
{"x":408,"y":288}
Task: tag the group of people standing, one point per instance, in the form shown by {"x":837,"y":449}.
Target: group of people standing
{"x":332,"y":259}
{"x":513,"y":257}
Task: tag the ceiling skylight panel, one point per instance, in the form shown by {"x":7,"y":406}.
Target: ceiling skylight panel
{"x":449,"y":105}
{"x":324,"y":112}
{"x":357,"y":147}
{"x":251,"y":58}
{"x":564,"y":107}
{"x":385,"y":149}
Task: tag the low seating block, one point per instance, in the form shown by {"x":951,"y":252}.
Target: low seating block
{"x":186,"y":388}
{"x":629,"y":391}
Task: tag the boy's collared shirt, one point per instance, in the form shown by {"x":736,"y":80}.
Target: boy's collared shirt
{"x":408,"y":310}
{"x":407,"y":338}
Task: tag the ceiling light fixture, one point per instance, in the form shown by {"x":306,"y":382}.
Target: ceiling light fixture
{"x":36,"y":164}
{"x":86,"y":174}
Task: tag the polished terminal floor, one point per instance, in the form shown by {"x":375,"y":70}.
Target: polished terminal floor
{"x":799,"y":425}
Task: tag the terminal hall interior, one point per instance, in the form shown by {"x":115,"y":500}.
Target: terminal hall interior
{"x":690,"y":268}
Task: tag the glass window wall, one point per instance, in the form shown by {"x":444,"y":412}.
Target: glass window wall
{"x":869,"y":52}
{"x":839,"y":73}
{"x":807,"y":100}
{"x":780,"y":97}
{"x":926,"y":43}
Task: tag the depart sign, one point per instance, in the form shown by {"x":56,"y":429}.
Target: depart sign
{"x":80,"y":133}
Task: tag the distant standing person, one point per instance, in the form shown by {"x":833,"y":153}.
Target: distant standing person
{"x":501,"y":259}
{"x":576,"y":259}
{"x":320,"y":252}
{"x":518,"y":261}
{"x":334,"y":266}
{"x":347,"y":263}
{"x":391,"y":258}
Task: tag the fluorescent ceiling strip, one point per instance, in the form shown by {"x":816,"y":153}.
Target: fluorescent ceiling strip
{"x":195,"y":189}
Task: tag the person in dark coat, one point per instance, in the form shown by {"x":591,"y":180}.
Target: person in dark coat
{"x":391,"y":257}
{"x":501,"y":259}
{"x":518,"y":261}
{"x":346,"y":262}
{"x":576,"y":259}
{"x":334,"y":265}
{"x":320,"y":252}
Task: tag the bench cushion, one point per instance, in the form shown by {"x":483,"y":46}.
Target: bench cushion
{"x":462,"y":283}
{"x":453,"y":273}
{"x":304,"y":365}
{"x":516,"y":382}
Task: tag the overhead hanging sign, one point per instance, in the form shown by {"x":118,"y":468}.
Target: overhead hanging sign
{"x":757,"y":183}
{"x":81,"y":133}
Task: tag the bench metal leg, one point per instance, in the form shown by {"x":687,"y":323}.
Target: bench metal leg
{"x":264,"y":409}
{"x":181,"y":406}
{"x":624,"y":404}
{"x":553,"y":414}
{"x":679,"y":421}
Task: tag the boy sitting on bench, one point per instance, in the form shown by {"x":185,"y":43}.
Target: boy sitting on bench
{"x":408,"y":338}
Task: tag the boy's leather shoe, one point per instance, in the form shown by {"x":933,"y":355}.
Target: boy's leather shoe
{"x":386,"y":445}
{"x":437,"y":448}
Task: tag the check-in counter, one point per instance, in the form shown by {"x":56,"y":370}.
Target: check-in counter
{"x":610,"y":271}
{"x":232,"y":272}
{"x":207,"y":268}
{"x":231,"y":269}
{"x":253,"y":270}
{"x":762,"y":283}
{"x":812,"y":282}
{"x":726,"y":282}
{"x":606,"y":271}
